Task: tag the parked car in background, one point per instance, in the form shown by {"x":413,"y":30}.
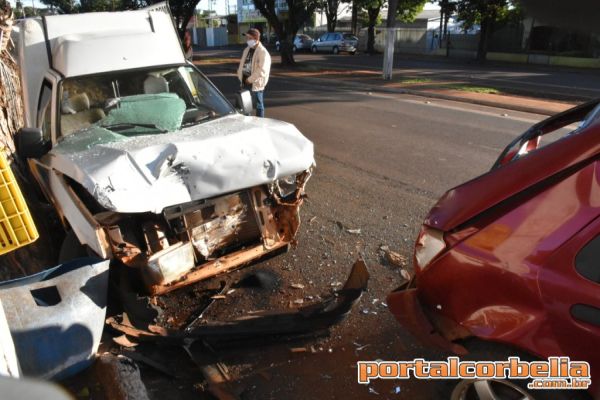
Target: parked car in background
{"x":301,"y":42}
{"x":512,"y":256}
{"x":335,"y":42}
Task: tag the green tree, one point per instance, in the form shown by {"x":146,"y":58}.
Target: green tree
{"x":287,"y":23}
{"x":447,"y":8}
{"x":405,"y":11}
{"x":373,"y":9}
{"x":79,"y":6}
{"x":354,"y":19}
{"x":62,"y":6}
{"x":331,"y":10}
{"x":489,"y":14}
{"x":182,"y":10}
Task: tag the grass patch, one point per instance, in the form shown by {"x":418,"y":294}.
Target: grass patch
{"x":473,"y":89}
{"x":216,"y":61}
{"x":414,"y":81}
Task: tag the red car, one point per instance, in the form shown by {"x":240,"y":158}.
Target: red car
{"x":513,"y":256}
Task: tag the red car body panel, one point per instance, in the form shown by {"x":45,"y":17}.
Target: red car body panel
{"x":508,"y":272}
{"x":470,"y":199}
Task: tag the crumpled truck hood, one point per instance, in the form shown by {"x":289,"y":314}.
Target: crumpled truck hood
{"x":148,"y":173}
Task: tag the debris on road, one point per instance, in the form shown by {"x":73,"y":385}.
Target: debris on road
{"x":310,"y":318}
{"x":359,"y":346}
{"x":406,"y":275}
{"x":353,"y":231}
{"x":123,"y":341}
{"x":373,"y":391}
{"x":297,"y":286}
{"x":140,"y":358}
{"x":120,"y":377}
{"x":216,"y":373}
{"x":393,"y":258}
{"x":298,"y":349}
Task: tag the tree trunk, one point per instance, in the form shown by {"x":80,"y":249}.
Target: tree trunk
{"x":331,"y":22}
{"x":373,"y":14}
{"x":446,"y":19}
{"x":354,"y":22}
{"x":371,"y":38}
{"x":184,"y":23}
{"x":486,"y":27}
{"x":441,"y":22}
{"x":286,"y":49}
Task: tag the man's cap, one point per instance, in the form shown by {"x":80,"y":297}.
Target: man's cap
{"x":253,"y":32}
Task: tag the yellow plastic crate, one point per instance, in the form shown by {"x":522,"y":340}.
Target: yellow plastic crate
{"x":16,"y":225}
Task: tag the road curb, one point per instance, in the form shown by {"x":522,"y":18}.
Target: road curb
{"x":481,"y":102}
{"x":440,"y":96}
{"x":420,"y":93}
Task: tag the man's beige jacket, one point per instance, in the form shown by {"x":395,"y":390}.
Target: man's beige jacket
{"x":261,"y":66}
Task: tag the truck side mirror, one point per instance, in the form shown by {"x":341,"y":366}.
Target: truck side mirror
{"x":243,"y":101}
{"x":31,"y":143}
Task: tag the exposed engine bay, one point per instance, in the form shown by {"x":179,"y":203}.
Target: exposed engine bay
{"x":193,"y":241}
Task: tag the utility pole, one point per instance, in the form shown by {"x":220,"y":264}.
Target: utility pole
{"x":390,"y":39}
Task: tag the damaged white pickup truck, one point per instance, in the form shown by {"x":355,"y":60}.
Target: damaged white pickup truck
{"x":144,"y":159}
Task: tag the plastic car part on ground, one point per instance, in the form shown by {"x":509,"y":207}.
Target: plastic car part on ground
{"x":311,"y":318}
{"x":31,"y":389}
{"x":9,"y":365}
{"x":56,"y":317}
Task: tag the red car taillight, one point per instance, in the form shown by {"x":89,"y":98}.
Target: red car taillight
{"x":429,"y":244}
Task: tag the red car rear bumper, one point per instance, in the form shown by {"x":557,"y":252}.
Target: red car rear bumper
{"x":423,"y":323}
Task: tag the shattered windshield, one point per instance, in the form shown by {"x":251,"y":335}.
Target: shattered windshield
{"x":141,"y":102}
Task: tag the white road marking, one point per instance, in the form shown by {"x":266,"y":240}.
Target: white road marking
{"x":440,"y":103}
{"x":444,"y":104}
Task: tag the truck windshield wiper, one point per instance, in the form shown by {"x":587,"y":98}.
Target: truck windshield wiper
{"x":203,"y":118}
{"x":129,"y":125}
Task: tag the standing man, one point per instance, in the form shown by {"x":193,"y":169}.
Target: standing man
{"x":187,"y":46}
{"x":254,"y":69}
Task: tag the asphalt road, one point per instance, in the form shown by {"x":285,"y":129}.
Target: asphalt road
{"x":567,"y":83}
{"x":421,"y":145}
{"x":382,"y":161}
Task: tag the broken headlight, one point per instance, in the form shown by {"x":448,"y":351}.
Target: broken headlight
{"x":429,"y":244}
{"x":287,"y":185}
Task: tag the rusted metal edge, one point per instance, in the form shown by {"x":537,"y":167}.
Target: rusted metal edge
{"x":214,"y":267}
